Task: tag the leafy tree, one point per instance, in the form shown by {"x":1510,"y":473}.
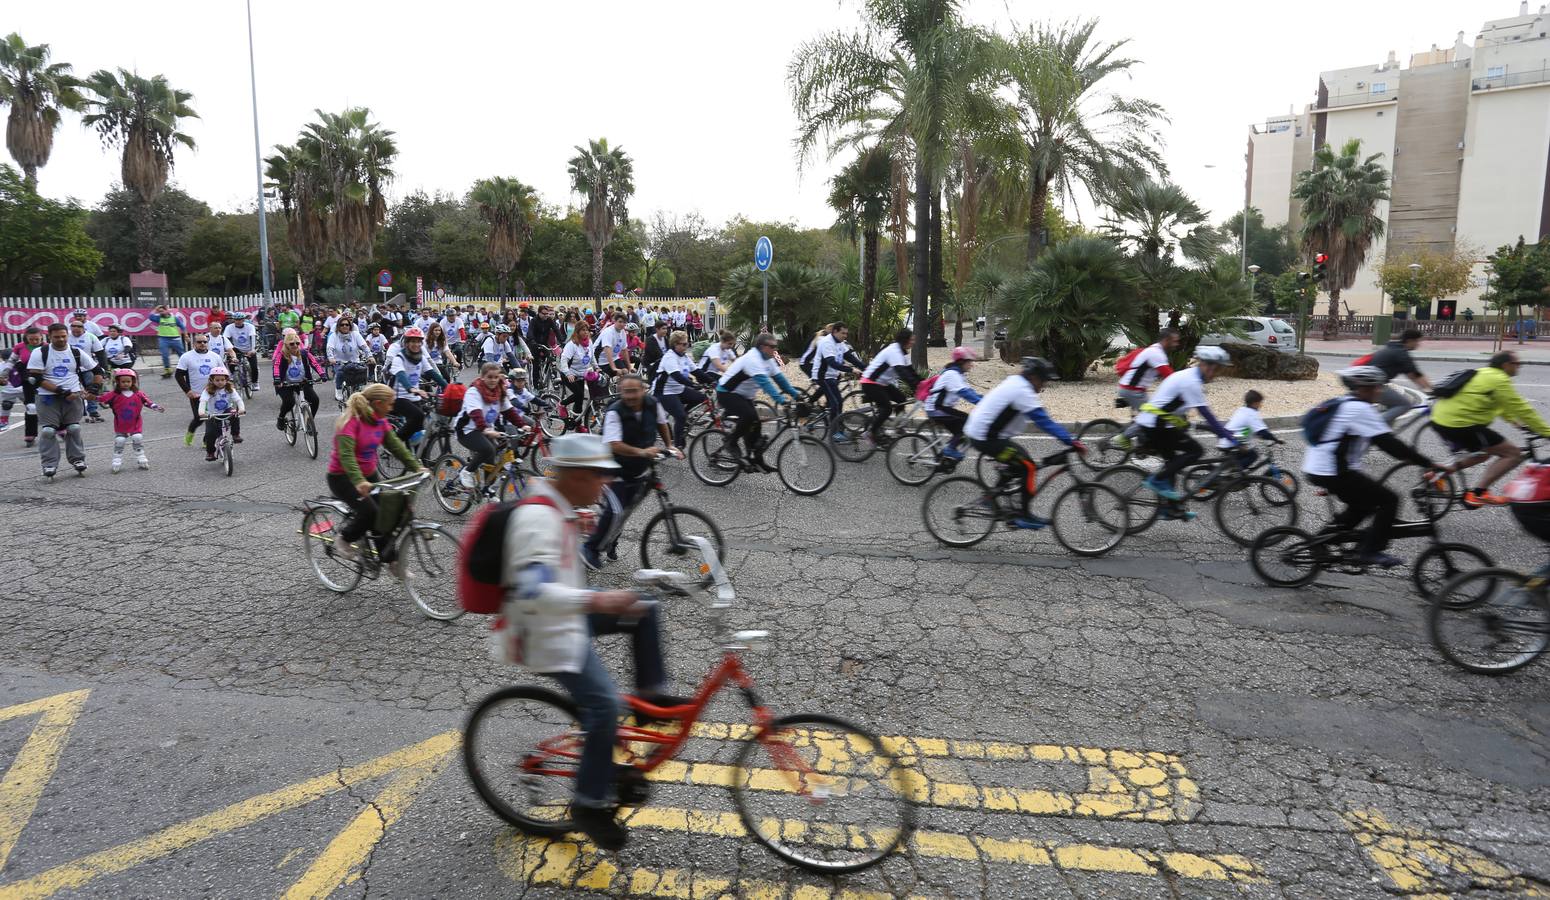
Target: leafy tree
{"x":406,"y":237}
{"x":799,"y":297}
{"x":1340,"y":196}
{"x":1272,"y":249}
{"x":1070,"y":303}
{"x":298,"y":179}
{"x":1438,"y":275}
{"x":605,"y":176}
{"x":114,"y":226}
{"x":1158,"y":222}
{"x":36,"y":90}
{"x":510,"y":207}
{"x":459,"y":242}
{"x":39,"y":236}
{"x":696,"y":254}
{"x":142,"y":116}
{"x":1520,"y":275}
{"x":220,"y":250}
{"x":352,"y":157}
{"x":861,"y":193}
{"x":1207,"y":298}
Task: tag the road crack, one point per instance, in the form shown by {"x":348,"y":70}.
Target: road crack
{"x":382,"y":824}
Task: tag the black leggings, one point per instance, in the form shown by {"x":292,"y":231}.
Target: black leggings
{"x":288,"y":398}
{"x":1363,"y":497}
{"x":413,"y":416}
{"x":213,"y":431}
{"x":1178,"y":448}
{"x":597,"y":389}
{"x":678,"y":406}
{"x":363,"y":509}
{"x":480,"y":445}
{"x":952,"y":420}
{"x":884,"y":398}
{"x":741,"y":408}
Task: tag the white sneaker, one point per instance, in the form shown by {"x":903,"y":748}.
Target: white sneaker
{"x":142,"y":462}
{"x":118,"y":463}
{"x":466,"y":479}
{"x":338,"y":396}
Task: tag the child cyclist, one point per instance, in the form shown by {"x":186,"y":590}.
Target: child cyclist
{"x":484,"y":406}
{"x":1165,"y":420}
{"x":360,"y":435}
{"x":127,"y":402}
{"x":220,"y":397}
{"x":949,"y":386}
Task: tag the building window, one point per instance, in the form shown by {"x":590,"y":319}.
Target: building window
{"x":1496,"y":71}
{"x":1380,"y":87}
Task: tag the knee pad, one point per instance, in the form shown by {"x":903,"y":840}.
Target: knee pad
{"x":118,"y":442}
{"x":47,"y":432}
{"x":74,"y":428}
{"x":138,"y":440}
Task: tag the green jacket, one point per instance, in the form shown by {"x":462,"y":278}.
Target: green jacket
{"x":1488,"y":394}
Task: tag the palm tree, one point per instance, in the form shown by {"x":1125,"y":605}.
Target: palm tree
{"x":300,"y":184}
{"x":861,"y":194}
{"x":143,"y":116}
{"x":511,"y":208}
{"x":353,"y":157}
{"x":1075,"y":133}
{"x":606,"y":177}
{"x":36,"y":90}
{"x":1155,"y":221}
{"x":1068,"y":302}
{"x":1340,"y":197}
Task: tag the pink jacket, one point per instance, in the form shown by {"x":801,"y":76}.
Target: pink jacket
{"x":126,"y":410}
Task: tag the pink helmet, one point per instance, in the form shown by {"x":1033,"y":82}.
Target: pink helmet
{"x":591,"y":375}
{"x":125,"y":373}
{"x":414,"y":333}
{"x":961,"y":354}
{"x":219,"y":370}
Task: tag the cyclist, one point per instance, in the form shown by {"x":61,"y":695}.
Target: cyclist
{"x":359,"y":437}
{"x":887,"y":368}
{"x":193,"y":371}
{"x":542,"y":339}
{"x":436,"y":348}
{"x":477,"y":424}
{"x":995,"y":420}
{"x":716,"y":358}
{"x":578,"y":368}
{"x":1165,"y":419}
{"x":556,"y":616}
{"x":632,"y":425}
{"x":345,"y":347}
{"x":740,"y":383}
{"x":673,"y":386}
{"x":377,"y":342}
{"x":1395,"y":360}
{"x":220,"y":397}
{"x":500,"y":348}
{"x":612,"y":345}
{"x":526,"y":402}
{"x":949,"y":387}
{"x":1334,"y":462}
{"x":242,"y":345}
{"x":1464,"y":421}
{"x":1146,"y":367}
{"x":833,"y":356}
{"x":408,"y":368}
{"x":294,"y":370}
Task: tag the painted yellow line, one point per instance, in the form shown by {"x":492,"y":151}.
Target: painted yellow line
{"x":346,"y":853}
{"x":176,"y":837}
{"x":1417,"y":863}
{"x":35,"y":763}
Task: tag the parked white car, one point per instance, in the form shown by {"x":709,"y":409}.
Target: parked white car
{"x":1261,"y":330}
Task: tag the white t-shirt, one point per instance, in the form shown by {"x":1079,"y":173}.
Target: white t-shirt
{"x":716,"y":358}
{"x":1179,"y":393}
{"x":739,"y":377}
{"x":198,"y":366}
{"x":671,"y":362}
{"x":493,"y":350}
{"x":1354,"y":419}
{"x":243,"y":338}
{"x":945,"y":390}
{"x":415,"y":371}
{"x":346,"y":348}
{"x":59,"y":366}
{"x":221,"y":402}
{"x":1143,"y":369}
{"x":492,"y":411}
{"x":218,"y":344}
{"x":576,"y":360}
{"x":1003,"y":410}
{"x":614,"y":339}
{"x":87,"y":342}
{"x":119,"y":349}
{"x":1243,"y":424}
{"x":884,"y":362}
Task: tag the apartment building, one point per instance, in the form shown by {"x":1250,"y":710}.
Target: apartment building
{"x":1464,"y":132}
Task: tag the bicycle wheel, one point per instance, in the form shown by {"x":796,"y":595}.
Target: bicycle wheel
{"x":1490,"y":621}
{"x":822,"y":794}
{"x":664,"y":541}
{"x":805,"y":465}
{"x":853,"y":439}
{"x":1285,"y":557}
{"x":228,"y":459}
{"x":1285,"y":479}
{"x":1441,"y":563}
{"x":428,"y":554}
{"x":1126,"y":480}
{"x":511,"y":486}
{"x":391,"y":466}
{"x":1242,"y":510}
{"x":714,"y":457}
{"x":553,"y":420}
{"x":959,"y":511}
{"x":1090,"y":519}
{"x":319,"y":531}
{"x":537,"y":458}
{"x":522,"y":747}
{"x":450,"y":493}
{"x":1099,"y":435}
{"x":310,"y":431}
{"x":1196,"y":483}
{"x":290,"y":423}
{"x":912,"y":458}
{"x":1418,"y":499}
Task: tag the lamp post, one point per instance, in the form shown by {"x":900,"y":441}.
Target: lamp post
{"x":1415,"y":292}
{"x":258,"y":167}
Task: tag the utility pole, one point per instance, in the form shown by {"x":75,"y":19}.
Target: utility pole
{"x":258,"y":167}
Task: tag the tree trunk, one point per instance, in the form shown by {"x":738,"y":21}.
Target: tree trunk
{"x":1332,"y":324}
{"x":309,"y":283}
{"x":938,"y":286}
{"x":968,"y":233}
{"x":868,"y":286}
{"x":500,"y":283}
{"x":922,"y":262}
{"x":30,"y":177}
{"x":898,"y":225}
{"x":1036,"y":201}
{"x":349,"y":282}
{"x":597,"y":272}
{"x":142,"y":217}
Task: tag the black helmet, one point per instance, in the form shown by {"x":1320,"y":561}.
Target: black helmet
{"x":1038,"y":367}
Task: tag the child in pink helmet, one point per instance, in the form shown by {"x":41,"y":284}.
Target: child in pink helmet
{"x":220,"y":397}
{"x":126,"y":402}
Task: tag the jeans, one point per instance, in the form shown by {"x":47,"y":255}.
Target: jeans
{"x":54,"y":415}
{"x":831,"y":393}
{"x":169,"y":345}
{"x":1362,"y":496}
{"x":598,"y":700}
{"x":678,"y":406}
{"x":618,"y":498}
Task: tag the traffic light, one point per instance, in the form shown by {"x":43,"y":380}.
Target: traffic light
{"x":1319,"y":264}
{"x":1302,"y":278}
{"x":1446,"y":310}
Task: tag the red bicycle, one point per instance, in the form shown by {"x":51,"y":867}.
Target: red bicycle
{"x":817,"y":791}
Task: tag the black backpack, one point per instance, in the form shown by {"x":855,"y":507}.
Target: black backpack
{"x":1315,"y":422}
{"x":1454,"y":383}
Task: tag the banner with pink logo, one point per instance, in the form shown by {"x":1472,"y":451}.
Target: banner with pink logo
{"x":132,"y":321}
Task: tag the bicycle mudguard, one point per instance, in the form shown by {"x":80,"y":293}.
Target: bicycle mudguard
{"x":1418,"y":528}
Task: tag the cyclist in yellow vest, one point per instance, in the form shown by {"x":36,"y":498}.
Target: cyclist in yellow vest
{"x":170,"y":328}
{"x":1464,"y":420}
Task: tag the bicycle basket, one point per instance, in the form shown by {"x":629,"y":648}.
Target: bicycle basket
{"x":354,"y":374}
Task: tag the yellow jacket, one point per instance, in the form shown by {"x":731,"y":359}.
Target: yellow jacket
{"x":1488,"y":395}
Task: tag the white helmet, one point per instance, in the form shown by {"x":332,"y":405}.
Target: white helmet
{"x":1362,"y":376}
{"x":1212,"y":355}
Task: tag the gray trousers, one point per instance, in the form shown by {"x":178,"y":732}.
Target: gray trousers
{"x":1394,"y":403}
{"x":55,"y":415}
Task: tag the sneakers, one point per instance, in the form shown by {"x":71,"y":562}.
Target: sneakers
{"x":236,"y":439}
{"x":118,"y":463}
{"x":952,"y":453}
{"x":5,"y":422}
{"x":142,"y":462}
{"x":1383,"y":560}
{"x":1120,"y":442}
{"x":1479,"y":499}
{"x":589,"y":558}
{"x":344,"y":550}
{"x":1178,"y":515}
{"x":600,"y":827}
{"x":338,"y":395}
{"x":1162,"y":489}
{"x":613,"y":552}
{"x":1031,"y":523}
{"x":188,"y":439}
{"x":210,"y":456}
{"x":465,"y":479}
{"x":279,"y":424}
{"x":49,"y":473}
{"x":29,"y":441}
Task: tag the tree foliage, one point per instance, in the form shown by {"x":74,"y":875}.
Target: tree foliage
{"x":1520,"y":275}
{"x":1437,"y":275}
{"x":1070,"y":303}
{"x":41,"y":236}
{"x":36,"y":90}
{"x":799,"y":300}
{"x":1340,"y":196}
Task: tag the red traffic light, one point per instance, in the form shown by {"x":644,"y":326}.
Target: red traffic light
{"x":1321,"y":258}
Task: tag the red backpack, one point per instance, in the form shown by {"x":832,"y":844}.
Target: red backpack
{"x":1123,"y":364}
{"x":923,"y":390}
{"x":1362,"y":360}
{"x":481,"y":557}
{"x":452,"y":400}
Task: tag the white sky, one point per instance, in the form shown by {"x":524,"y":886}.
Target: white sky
{"x":694,"y":90}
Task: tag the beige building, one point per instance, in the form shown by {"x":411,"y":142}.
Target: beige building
{"x":1464,"y":132}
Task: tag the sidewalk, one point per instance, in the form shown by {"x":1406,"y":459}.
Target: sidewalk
{"x":1531,"y":352}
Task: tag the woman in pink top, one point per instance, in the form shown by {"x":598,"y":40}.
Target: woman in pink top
{"x":361,"y":434}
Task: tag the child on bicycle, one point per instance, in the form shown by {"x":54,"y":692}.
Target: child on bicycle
{"x":126,"y":401}
{"x":218,"y":398}
{"x":1245,"y":423}
{"x":359,"y":437}
{"x":949,"y":386}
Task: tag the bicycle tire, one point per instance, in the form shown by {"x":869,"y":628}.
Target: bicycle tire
{"x":825,"y":737}
{"x":912,"y":459}
{"x":1191,"y":481}
{"x":1105,"y":512}
{"x":228,"y":461}
{"x":659,"y":551}
{"x":310,"y":432}
{"x":428,"y":554}
{"x":1242,"y":510}
{"x":290,"y":424}
{"x":319,"y":531}
{"x":390,"y":466}
{"x":1441,"y":563}
{"x":1126,"y":480}
{"x":1291,"y":548}
{"x":961,"y":499}
{"x":549,"y":819}
{"x":805,"y":465}
{"x":1097,"y":435}
{"x":1513,"y":620}
{"x":1418,"y":501}
{"x":853,"y":440}
{"x":451,"y":495}
{"x":711,"y":457}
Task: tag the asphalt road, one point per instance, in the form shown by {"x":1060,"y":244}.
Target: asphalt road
{"x":184,"y":711}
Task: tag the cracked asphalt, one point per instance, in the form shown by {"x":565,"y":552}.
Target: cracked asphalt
{"x":247,"y":733}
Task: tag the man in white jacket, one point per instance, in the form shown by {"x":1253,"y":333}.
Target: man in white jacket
{"x":555,"y":615}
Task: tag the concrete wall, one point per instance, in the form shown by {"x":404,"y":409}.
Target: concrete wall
{"x":1270,"y":182}
{"x":1430,"y":124}
{"x":1506,"y":149}
{"x":1375,"y":126}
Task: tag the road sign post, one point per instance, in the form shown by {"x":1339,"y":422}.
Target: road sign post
{"x":763,"y":255}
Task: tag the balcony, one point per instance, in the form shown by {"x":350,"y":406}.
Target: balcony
{"x":1357,"y":99}
{"x":1511,"y":79}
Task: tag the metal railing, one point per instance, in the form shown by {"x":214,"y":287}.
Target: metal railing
{"x":1338,"y":100}
{"x":1482,"y":327}
{"x":1511,"y":79}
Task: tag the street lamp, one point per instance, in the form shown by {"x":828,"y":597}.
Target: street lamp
{"x":258,"y":166}
{"x":1253,"y":276}
{"x":1415,"y":271}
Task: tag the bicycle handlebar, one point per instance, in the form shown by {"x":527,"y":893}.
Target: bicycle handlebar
{"x":404,"y":485}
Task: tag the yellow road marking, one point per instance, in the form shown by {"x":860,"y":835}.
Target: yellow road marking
{"x":1412,"y":859}
{"x":176,"y":837}
{"x":35,"y":763}
{"x":341,"y":861}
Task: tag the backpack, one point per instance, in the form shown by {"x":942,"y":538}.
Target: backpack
{"x":1123,"y":364}
{"x":1454,"y":383}
{"x":923,"y":390}
{"x":1530,"y":485}
{"x":1363,"y":360}
{"x":482,"y":555}
{"x":1315,"y":422}
{"x":452,"y":400}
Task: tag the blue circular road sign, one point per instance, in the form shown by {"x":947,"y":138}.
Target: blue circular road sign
{"x":763,"y":254}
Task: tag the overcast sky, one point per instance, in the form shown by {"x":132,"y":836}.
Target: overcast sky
{"x":694,"y":90}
